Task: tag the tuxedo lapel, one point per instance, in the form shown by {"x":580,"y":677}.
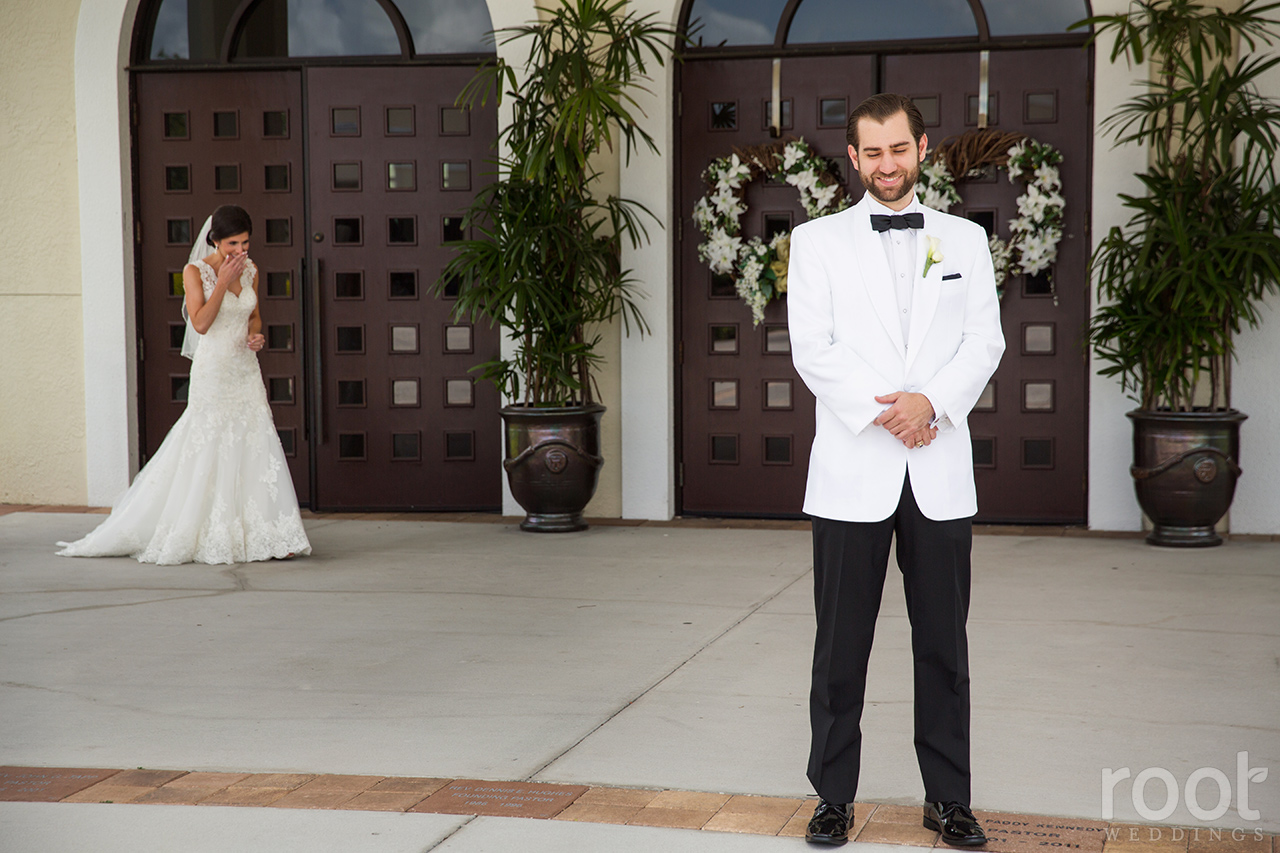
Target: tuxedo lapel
{"x":926,"y":290}
{"x":874,"y":269}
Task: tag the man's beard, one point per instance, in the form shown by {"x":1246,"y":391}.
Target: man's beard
{"x":895,"y":193}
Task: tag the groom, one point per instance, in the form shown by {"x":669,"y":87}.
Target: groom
{"x":895,"y":328}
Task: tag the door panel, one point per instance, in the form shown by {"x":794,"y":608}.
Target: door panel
{"x":733,"y":445}
{"x":747,"y":419}
{"x":392,"y":165}
{"x":389,"y":167}
{"x":205,"y":139}
{"x":1036,"y":434}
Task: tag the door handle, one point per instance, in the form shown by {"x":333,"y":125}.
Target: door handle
{"x":305,"y":344}
{"x":316,"y":351}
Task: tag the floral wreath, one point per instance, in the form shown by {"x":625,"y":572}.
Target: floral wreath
{"x":1036,"y":232}
{"x":759,"y":269}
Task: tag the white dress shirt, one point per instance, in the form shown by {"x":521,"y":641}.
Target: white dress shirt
{"x":900,"y":251}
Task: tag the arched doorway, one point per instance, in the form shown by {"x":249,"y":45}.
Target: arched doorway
{"x":745,"y":419}
{"x":332,"y":122}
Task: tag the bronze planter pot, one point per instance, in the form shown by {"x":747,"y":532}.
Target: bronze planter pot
{"x":1185,"y":466}
{"x":553,"y":463}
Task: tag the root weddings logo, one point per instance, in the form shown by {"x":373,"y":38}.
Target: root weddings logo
{"x":1191,"y":791}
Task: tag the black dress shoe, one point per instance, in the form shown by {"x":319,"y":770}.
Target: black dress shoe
{"x":957,"y":824}
{"x":829,"y":824}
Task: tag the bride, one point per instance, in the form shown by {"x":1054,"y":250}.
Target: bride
{"x":218,"y":489}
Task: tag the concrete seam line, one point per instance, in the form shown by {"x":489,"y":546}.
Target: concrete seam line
{"x":456,"y":830}
{"x":113,"y":606}
{"x":532,"y":777}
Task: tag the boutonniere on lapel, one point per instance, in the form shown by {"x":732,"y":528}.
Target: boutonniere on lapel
{"x":933,"y":255}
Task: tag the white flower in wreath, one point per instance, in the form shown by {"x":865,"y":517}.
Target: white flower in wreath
{"x":792,"y":155}
{"x":703,"y":216}
{"x":805,"y":180}
{"x":1048,"y":177}
{"x":1015,"y":161}
{"x":1032,"y":203}
{"x":749,"y":273}
{"x":736,"y":173}
{"x":1040,"y":204}
{"x":933,"y":198}
{"x":723,"y":199}
{"x":721,"y":251}
{"x":1038,"y":251}
{"x":936,"y":187}
{"x":1001,"y":257}
{"x":824,"y":196}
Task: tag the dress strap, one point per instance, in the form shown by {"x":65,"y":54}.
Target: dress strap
{"x":208,"y":278}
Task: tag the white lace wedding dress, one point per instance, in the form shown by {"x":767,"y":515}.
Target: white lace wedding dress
{"x":218,"y":489}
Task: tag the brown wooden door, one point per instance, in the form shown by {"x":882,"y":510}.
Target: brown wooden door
{"x":746,"y":418}
{"x":367,"y":374}
{"x":401,"y":421}
{"x":204,"y":139}
{"x":740,"y":457}
{"x":1030,"y":443}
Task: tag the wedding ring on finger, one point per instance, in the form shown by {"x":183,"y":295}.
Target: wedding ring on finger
{"x":919,"y":444}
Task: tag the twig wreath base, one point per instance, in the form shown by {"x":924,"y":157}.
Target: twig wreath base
{"x":759,"y":268}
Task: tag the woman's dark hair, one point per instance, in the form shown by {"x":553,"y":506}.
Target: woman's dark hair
{"x":228,"y":221}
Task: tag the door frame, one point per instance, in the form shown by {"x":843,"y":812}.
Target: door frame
{"x":106,"y":31}
{"x":879,"y":50}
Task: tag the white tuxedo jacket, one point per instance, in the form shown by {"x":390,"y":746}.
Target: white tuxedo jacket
{"x":846,"y":343}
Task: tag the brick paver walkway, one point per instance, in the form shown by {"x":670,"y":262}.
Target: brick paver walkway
{"x":694,"y":810}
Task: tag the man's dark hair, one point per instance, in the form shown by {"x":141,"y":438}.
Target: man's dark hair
{"x":880,"y":108}
{"x":228,"y":221}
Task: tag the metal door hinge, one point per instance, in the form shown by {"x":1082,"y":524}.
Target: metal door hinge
{"x":680,"y":475}
{"x":137,"y":232}
{"x":680,"y":353}
{"x":679,"y":104}
{"x":134,"y":113}
{"x":142,"y":349}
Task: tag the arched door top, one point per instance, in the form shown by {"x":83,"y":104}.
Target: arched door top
{"x":204,"y":32}
{"x":801,"y":24}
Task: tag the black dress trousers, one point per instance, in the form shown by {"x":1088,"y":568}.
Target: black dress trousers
{"x":849,"y":564}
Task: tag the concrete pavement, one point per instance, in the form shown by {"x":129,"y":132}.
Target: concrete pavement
{"x":651,"y":656}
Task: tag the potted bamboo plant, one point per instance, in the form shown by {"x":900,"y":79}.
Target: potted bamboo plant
{"x":544,"y":258}
{"x":1200,"y":252}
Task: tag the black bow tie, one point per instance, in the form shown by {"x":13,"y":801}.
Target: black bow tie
{"x":881,"y":222}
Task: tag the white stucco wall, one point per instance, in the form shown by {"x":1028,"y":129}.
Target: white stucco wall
{"x":102,"y":37}
{"x":648,"y":366}
{"x":1112,"y":503}
{"x":1257,"y":504}
{"x":42,"y":423}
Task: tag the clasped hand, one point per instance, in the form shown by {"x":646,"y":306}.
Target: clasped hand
{"x":907,"y":418}
{"x":256,"y":342}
